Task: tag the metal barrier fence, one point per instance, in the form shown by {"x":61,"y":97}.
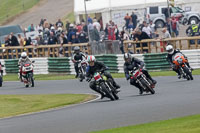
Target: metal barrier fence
{"x":158,"y":45}
{"x":43,"y":50}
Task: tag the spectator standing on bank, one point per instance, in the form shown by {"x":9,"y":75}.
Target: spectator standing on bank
{"x":134,"y":20}
{"x":31,"y":28}
{"x":90,"y":20}
{"x":127,"y":19}
{"x":67,"y":25}
{"x":175,"y":26}
{"x":59,"y":23}
{"x":82,"y":37}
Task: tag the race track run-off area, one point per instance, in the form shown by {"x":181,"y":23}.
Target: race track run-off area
{"x":174,"y":98}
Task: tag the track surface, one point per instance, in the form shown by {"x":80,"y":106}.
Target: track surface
{"x":174,"y":98}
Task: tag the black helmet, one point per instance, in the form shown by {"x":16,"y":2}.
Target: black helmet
{"x":127,"y":57}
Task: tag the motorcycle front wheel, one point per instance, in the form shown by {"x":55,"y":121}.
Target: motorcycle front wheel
{"x":108,"y":93}
{"x":188,"y":73}
{"x":147,"y":86}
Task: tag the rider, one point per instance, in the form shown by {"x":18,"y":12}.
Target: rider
{"x":130,"y":63}
{"x":171,"y":52}
{"x":95,"y":66}
{"x":23,"y":60}
{"x":76,"y":58}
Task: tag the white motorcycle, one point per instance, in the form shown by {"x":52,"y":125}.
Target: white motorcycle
{"x":27,"y":74}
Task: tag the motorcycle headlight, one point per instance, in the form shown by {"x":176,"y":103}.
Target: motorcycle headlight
{"x":180,"y":61}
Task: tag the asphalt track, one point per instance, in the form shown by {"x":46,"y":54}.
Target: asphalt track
{"x":173,"y":98}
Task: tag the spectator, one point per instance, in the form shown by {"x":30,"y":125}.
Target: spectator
{"x":74,"y":39}
{"x":52,"y":39}
{"x":20,"y":40}
{"x":153,"y":29}
{"x":7,"y":41}
{"x":142,"y":36}
{"x":96,"y":36}
{"x":28,"y":41}
{"x":127,"y":19}
{"x":82,"y":37}
{"x":14,"y":41}
{"x":165,"y":33}
{"x":41,"y":22}
{"x":134,"y":20}
{"x":175,"y":26}
{"x":59,"y":23}
{"x":90,"y":20}
{"x":167,"y":25}
{"x":46,"y":24}
{"x":117,"y":32}
{"x":64,"y":39}
{"x":79,"y":27}
{"x":97,"y":24}
{"x":147,"y":29}
{"x":67,"y":25}
{"x":85,"y":27}
{"x":111,"y":33}
{"x":31,"y":28}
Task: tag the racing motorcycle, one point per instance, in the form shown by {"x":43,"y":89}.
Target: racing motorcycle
{"x":142,"y":80}
{"x":82,"y":69}
{"x":105,"y":85}
{"x":180,"y":63}
{"x":27,"y":74}
{"x":1,"y":75}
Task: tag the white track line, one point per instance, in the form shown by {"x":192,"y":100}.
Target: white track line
{"x":54,"y":109}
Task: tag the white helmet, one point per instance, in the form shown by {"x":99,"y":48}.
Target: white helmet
{"x":193,"y":22}
{"x":91,"y":58}
{"x":52,"y":28}
{"x":170,"y":49}
{"x":23,"y":55}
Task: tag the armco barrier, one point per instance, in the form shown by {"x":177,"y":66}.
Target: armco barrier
{"x":110,"y":61}
{"x":59,"y":65}
{"x":156,"y":62}
{"x":11,"y":66}
{"x":120,"y":61}
{"x":3,"y":68}
{"x":40,"y":65}
{"x":193,"y":57}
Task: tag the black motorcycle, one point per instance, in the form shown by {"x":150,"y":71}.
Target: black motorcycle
{"x":105,"y":85}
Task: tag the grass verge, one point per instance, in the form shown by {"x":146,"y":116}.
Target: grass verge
{"x":12,"y":105}
{"x":11,"y":8}
{"x":115,"y":75}
{"x":189,"y":124}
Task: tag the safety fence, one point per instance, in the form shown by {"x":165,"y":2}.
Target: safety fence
{"x":158,"y":45}
{"x":42,"y":50}
{"x":153,"y":62}
{"x":156,"y":62}
{"x":58,"y":65}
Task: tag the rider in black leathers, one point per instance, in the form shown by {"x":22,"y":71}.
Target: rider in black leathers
{"x":130,"y":63}
{"x":76,"y":58}
{"x":95,"y":66}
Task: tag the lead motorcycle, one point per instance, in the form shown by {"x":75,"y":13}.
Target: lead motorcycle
{"x":146,"y":84}
{"x":27,"y":74}
{"x":105,"y":85}
{"x":180,"y":62}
